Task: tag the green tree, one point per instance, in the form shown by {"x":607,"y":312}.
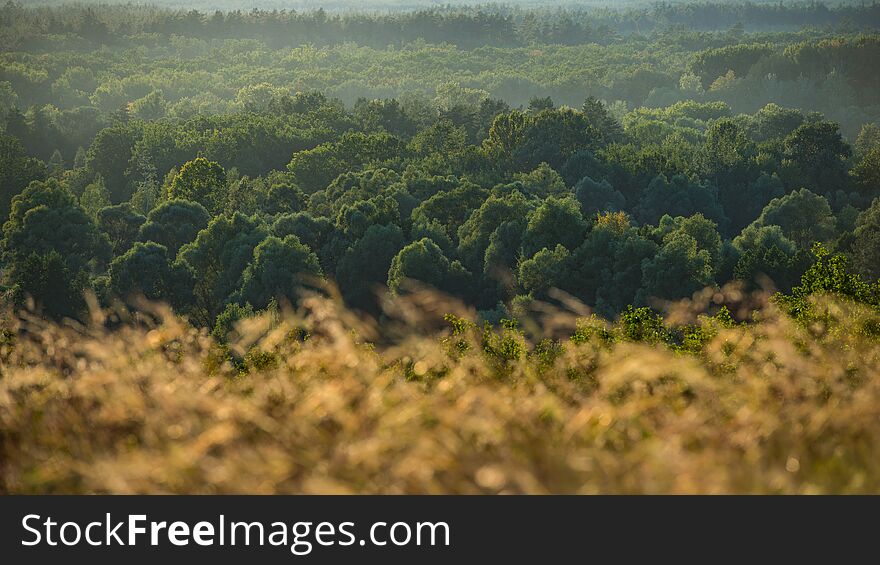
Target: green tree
{"x":279,"y":271}
{"x":120,"y":224}
{"x":782,"y":266}
{"x":8,"y":98}
{"x":217,"y":259}
{"x":541,"y":182}
{"x":365,"y":265}
{"x":284,"y":198}
{"x":504,"y":249}
{"x":725,"y":156}
{"x":174,"y":223}
{"x":314,"y":169}
{"x":474,"y":234}
{"x":544,"y":270}
{"x":55,"y":165}
{"x":552,"y":136}
{"x":51,"y":247}
{"x":775,"y":122}
{"x":146,"y":269}
{"x":353,"y":220}
{"x":258,"y":98}
{"x":224,"y":328}
{"x":868,"y":139}
{"x":829,"y":274}
{"x":595,"y":197}
{"x":150,"y":107}
{"x":555,"y":221}
{"x":450,"y":208}
{"x":386,"y":115}
{"x":764,"y":252}
{"x":867,"y":172}
{"x":200,"y":181}
{"x":703,"y":230}
{"x":443,"y":137}
{"x":601,"y":120}
{"x":815,"y":157}
{"x":109,"y":156}
{"x":679,"y":269}
{"x":507,"y":133}
{"x":679,"y":197}
{"x":314,"y":232}
{"x":95,"y":197}
{"x":805,"y":217}
{"x":17,"y":170}
{"x":866,"y":242}
{"x":606,"y":270}
{"x":424,"y":261}
{"x":582,"y":164}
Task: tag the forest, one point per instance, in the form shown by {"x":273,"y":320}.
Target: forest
{"x":605,"y":226}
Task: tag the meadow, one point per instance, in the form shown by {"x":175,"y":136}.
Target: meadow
{"x":772,"y":406}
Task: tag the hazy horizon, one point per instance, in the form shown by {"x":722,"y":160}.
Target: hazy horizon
{"x":405,"y":5}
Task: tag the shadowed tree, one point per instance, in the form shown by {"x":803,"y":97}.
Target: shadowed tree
{"x":450,"y":208}
{"x":725,"y":156}
{"x":51,"y":247}
{"x":121,"y":225}
{"x":285,"y":198}
{"x":443,"y":137}
{"x":582,"y":163}
{"x":867,"y":172}
{"x":552,"y":136}
{"x":365,"y":265}
{"x":146,"y":269}
{"x":765,"y":251}
{"x":595,"y":197}
{"x":743,"y":202}
{"x":866,"y":244}
{"x":814,"y":156}
{"x":602,"y":121}
{"x":353,"y":220}
{"x":474,"y":234}
{"x":679,"y":269}
{"x":174,"y":223}
{"x":17,"y":170}
{"x":679,"y":197}
{"x":555,"y":221}
{"x":217,"y":259}
{"x":606,"y":270}
{"x":424,"y":261}
{"x":109,"y":156}
{"x":279,"y":270}
{"x":314,"y":232}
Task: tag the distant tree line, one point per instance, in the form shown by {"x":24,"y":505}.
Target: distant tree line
{"x":467,"y":27}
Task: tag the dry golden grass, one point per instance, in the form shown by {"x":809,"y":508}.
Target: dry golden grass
{"x":771,"y":407}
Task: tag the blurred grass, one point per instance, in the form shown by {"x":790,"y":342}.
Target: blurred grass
{"x":322,"y":401}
